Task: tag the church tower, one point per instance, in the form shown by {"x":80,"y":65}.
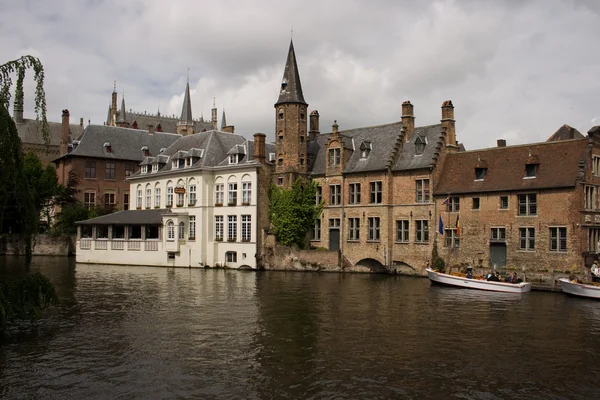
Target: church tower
{"x":122,"y":119}
{"x":290,"y":126}
{"x":185,"y":126}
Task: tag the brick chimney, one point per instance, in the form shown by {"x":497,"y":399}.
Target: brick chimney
{"x":448,"y":123}
{"x":408,"y":119}
{"x":314,"y":125}
{"x":81,"y":122}
{"x":259,"y":147}
{"x":228,"y":129}
{"x":64,"y":142}
{"x":151,"y":129}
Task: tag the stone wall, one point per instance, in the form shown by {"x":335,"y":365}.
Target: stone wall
{"x":43,"y":245}
{"x":290,"y":259}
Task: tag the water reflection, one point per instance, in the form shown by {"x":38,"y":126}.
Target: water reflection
{"x":133,"y":332}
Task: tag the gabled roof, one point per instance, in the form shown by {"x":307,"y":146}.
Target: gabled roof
{"x":30,"y":132}
{"x":126,"y":144}
{"x":559,"y":166}
{"x":565,"y":132}
{"x":291,"y":88}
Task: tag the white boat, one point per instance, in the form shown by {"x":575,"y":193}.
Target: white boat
{"x":481,"y":284}
{"x":579,"y":289}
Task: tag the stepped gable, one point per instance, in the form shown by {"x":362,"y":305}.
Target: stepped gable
{"x":126,"y":143}
{"x":409,"y":158}
{"x":559,"y":166}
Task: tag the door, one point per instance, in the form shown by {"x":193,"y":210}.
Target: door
{"x":498,"y":254}
{"x":334,"y":239}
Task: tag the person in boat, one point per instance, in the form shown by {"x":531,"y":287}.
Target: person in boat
{"x":469,"y":273}
{"x":595,"y":270}
{"x":493,"y":277}
{"x":515,"y":278}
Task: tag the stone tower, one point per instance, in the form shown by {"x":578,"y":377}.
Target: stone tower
{"x":290,"y":125}
{"x":185,"y":126}
{"x":113,"y":106}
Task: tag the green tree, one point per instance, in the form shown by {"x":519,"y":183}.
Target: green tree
{"x":43,"y":185}
{"x":293,"y":212}
{"x":69,"y":214}
{"x":437,"y":262}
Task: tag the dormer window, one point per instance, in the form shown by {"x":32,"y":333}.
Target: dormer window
{"x":144,"y":169}
{"x":155,"y":167}
{"x":181,"y":163}
{"x":480,"y":173}
{"x":530,"y":171}
{"x":107,"y":147}
{"x":233,"y":159}
{"x":365,"y":149}
{"x":334,"y":157}
{"x":420,"y":143}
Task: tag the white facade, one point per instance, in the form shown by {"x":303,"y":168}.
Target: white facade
{"x":211,"y":220}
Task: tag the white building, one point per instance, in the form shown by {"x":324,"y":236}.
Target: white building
{"x":200,"y":202}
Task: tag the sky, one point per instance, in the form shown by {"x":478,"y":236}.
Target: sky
{"x":515,"y":70}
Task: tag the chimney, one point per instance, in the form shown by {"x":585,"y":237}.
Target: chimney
{"x":448,"y":123}
{"x":501,"y":143}
{"x":151,"y":129}
{"x":314,"y":125}
{"x":81,"y":122}
{"x":408,"y":119}
{"x":113,"y":107}
{"x":64,"y":142}
{"x":334,"y":128}
{"x":259,"y":147}
{"x":228,"y":129}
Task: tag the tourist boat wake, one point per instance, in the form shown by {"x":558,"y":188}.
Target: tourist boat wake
{"x":579,"y":289}
{"x":481,"y":284}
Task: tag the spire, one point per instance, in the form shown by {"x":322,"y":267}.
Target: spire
{"x":223,"y":121}
{"x":186,"y":110}
{"x":291,"y":89}
{"x":122,"y":115}
{"x":108,"y":116}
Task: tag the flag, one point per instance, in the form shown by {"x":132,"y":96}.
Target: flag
{"x":458,"y":225}
{"x":441,"y":226}
{"x":446,"y":200}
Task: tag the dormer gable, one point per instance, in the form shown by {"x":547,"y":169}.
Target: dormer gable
{"x":481,"y":168}
{"x":531,"y":166}
{"x":236,"y":154}
{"x":365,"y":149}
{"x":420,"y":143}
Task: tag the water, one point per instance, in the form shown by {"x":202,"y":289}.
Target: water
{"x":152,"y":333}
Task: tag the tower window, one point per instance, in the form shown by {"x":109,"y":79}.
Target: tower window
{"x":281,"y":113}
{"x":280,"y":138}
{"x":280,"y":162}
{"x":302,"y":115}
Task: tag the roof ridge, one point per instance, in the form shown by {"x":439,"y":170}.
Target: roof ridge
{"x":556,"y":142}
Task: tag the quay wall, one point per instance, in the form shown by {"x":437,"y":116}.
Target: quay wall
{"x":43,"y":245}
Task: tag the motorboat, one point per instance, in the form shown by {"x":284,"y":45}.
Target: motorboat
{"x":480,"y":284}
{"x":580,"y":289}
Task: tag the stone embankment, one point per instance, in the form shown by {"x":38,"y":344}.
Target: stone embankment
{"x":43,"y":245}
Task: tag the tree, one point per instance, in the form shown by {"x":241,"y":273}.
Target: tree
{"x":43,"y":185}
{"x":293,"y":211}
{"x":437,"y":262}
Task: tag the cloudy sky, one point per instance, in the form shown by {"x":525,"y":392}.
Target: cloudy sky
{"x":514,"y":69}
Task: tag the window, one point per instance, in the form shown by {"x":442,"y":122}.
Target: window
{"x":110,"y":170}
{"x":125,"y":201}
{"x":144,"y":169}
{"x":135,"y":232}
{"x":180,"y":197}
{"x":231,"y":256}
{"x":315,"y":233}
{"x":109,"y":201}
{"x":218,"y":227}
{"x":148,"y":198}
{"x":335,"y":195}
{"x":157,"y":197}
{"x":246,"y":192}
{"x":89,"y":199}
{"x":334,"y":157}
{"x":129,"y":169}
{"x":590,"y":198}
{"x":476,"y":203}
{"x":301,"y":139}
{"x":354,"y":193}
{"x":453,"y":204}
{"x":402,"y":231}
{"x":232,"y":194}
{"x":530,"y":171}
{"x":170,"y":196}
{"x":596,"y":165}
{"x":155,"y":167}
{"x":281,"y":113}
{"x":232,"y":228}
{"x":527,"y":204}
{"x":498,"y":235}
{"x":504,"y":202}
{"x":233,"y":159}
{"x":170,"y":230}
{"x":480,"y":173}
{"x":319,"y":195}
{"x":301,"y":160}
{"x":139,"y":199}
{"x":376,"y":192}
{"x":334,"y":222}
{"x":152,"y":232}
{"x":452,"y":238}
{"x":558,"y":239}
{"x":527,"y":239}
{"x":280,"y":181}
{"x":219,"y":193}
{"x":246,"y":228}
{"x":353,"y":228}
{"x":90,"y":169}
{"x":181,"y":163}
{"x":181,"y":230}
{"x":192,"y":233}
{"x":280,"y":139}
{"x":422,"y":231}
{"x":373,"y":228}
{"x":422,"y":190}
{"x":280,"y":162}
{"x":192,"y":196}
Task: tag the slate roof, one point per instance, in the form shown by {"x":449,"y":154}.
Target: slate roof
{"x":126,"y":144}
{"x":559,"y":166}
{"x":128,"y":217}
{"x":564,"y":133}
{"x":291,"y":88}
{"x":186,"y":110}
{"x":382,"y":140}
{"x":30,"y":134}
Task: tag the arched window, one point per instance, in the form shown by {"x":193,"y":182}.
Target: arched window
{"x":181,"y":230}
{"x":170,"y":230}
{"x":281,"y":113}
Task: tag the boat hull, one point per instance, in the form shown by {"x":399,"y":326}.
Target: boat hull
{"x":457,"y":281}
{"x":579,"y":289}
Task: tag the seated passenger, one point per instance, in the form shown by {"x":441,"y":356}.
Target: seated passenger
{"x":469,"y":273}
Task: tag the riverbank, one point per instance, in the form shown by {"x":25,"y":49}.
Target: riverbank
{"x":43,"y":245}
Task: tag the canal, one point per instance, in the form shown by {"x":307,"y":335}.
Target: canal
{"x":153,"y":333}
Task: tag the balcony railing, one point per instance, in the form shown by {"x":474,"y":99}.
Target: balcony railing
{"x":85,"y":244}
{"x":133,"y":246}
{"x":101,"y":245}
{"x":117,"y":245}
{"x":151,"y":246}
{"x":120,"y":244}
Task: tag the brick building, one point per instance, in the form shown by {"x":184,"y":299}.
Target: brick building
{"x":532,"y":206}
